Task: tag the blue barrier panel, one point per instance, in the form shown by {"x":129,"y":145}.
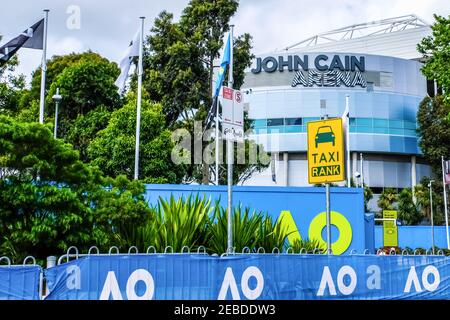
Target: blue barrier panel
{"x":19,"y":282}
{"x":369,"y":224}
{"x":305,"y":205}
{"x":250,"y":276}
{"x":175,"y":276}
{"x":415,"y":236}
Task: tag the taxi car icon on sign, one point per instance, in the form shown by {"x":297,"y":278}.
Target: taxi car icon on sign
{"x":325,"y":134}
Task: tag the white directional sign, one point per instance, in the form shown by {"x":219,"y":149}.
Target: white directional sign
{"x":233,"y":114}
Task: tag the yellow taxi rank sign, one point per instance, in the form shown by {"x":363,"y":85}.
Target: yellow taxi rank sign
{"x":325,"y":151}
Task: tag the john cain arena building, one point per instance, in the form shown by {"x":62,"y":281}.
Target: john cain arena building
{"x":378,"y":66}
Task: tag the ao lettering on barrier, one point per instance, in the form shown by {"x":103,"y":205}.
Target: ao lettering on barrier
{"x":229,"y":284}
{"x":348,"y":287}
{"x":111,"y":286}
{"x":73,"y":281}
{"x":413,"y":279}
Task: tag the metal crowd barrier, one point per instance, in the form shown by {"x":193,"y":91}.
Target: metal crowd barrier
{"x":73,"y":253}
{"x":25,"y":263}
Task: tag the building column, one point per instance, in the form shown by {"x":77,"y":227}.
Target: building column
{"x":354,"y":166}
{"x":286,"y":168}
{"x":413,"y":172}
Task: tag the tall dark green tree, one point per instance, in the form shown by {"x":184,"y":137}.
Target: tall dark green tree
{"x":436,"y":53}
{"x":434,"y":131}
{"x":387,"y":199}
{"x":51,"y":200}
{"x":55,"y":66}
{"x":11,"y":86}
{"x":113,"y":150}
{"x":180,"y":58}
{"x":422,"y":195}
{"x":408,"y":211}
{"x":86,"y":83}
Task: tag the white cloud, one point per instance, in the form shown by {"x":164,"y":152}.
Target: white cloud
{"x":277,"y":24}
{"x":107,"y":26}
{"x":64,"y":46}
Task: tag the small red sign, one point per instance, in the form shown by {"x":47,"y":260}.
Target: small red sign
{"x":227,"y":93}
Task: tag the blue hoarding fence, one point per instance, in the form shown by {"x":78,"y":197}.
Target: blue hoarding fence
{"x":304,"y":207}
{"x":415,"y":236}
{"x":20,"y":282}
{"x":352,"y":228}
{"x":186,"y":276}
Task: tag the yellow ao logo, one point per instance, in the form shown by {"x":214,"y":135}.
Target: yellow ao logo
{"x":316,"y":227}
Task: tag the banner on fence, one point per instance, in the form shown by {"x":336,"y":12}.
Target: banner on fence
{"x":19,"y":282}
{"x":250,"y":276}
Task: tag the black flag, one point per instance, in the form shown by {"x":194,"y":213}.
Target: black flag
{"x":32,"y":38}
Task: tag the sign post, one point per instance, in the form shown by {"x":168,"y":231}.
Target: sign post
{"x":446,"y":180}
{"x":326,"y":159}
{"x":233,"y":131}
{"x":390,"y":231}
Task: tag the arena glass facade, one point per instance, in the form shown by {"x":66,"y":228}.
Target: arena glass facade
{"x":285,"y":91}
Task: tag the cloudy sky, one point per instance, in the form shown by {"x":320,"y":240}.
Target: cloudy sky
{"x":107,"y":26}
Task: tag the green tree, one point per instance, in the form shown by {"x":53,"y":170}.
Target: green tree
{"x":368,"y":195}
{"x":179,"y":64}
{"x":434,"y":131}
{"x":84,"y":128}
{"x":55,"y":66}
{"x":113,"y":150}
{"x":408,"y":212}
{"x":52,"y":200}
{"x":436,"y":53}
{"x":422,"y":195}
{"x":86,"y":83}
{"x":387,"y":199}
{"x":11,"y":86}
{"x":84,"y":86}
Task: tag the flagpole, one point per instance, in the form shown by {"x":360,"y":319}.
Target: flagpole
{"x":217,"y":140}
{"x":445,"y":203}
{"x":347,"y":138}
{"x":139,"y":100}
{"x":230,"y":156}
{"x":43,"y":69}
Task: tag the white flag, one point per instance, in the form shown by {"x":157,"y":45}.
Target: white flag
{"x":345,"y":117}
{"x":132,"y":51}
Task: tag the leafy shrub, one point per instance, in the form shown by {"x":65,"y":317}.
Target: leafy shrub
{"x":246,"y":227}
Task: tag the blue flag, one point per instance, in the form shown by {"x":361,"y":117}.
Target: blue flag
{"x":225,"y":62}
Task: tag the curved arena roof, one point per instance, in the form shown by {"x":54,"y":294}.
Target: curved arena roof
{"x":395,"y":37}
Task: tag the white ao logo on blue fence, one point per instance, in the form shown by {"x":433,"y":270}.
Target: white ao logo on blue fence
{"x":111,"y":286}
{"x":229,"y":283}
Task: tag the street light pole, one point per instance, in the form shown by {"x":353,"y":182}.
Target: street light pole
{"x":432,"y":223}
{"x":57,"y":98}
